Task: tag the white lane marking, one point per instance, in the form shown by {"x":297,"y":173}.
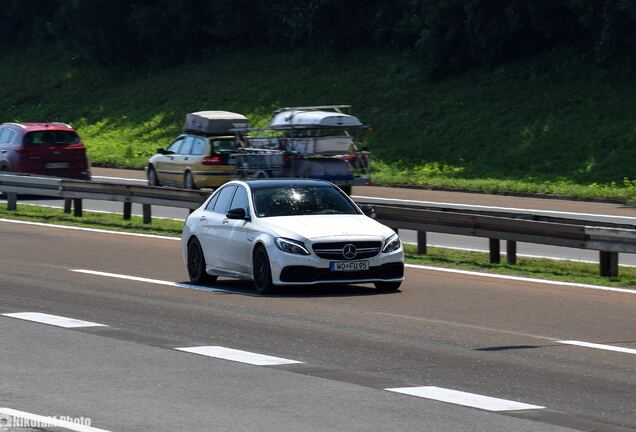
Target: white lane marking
{"x":466,"y":399}
{"x":238,"y":355}
{"x":522,"y":279}
{"x":159,"y":282}
{"x":54,"y":320}
{"x":468,"y":206}
{"x":554,"y":258}
{"x":49,"y":421}
{"x":95,"y":230}
{"x":95,"y":211}
{"x":442,"y":269}
{"x":119,"y":178}
{"x":598,"y":346}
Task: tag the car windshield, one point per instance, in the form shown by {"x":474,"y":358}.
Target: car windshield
{"x":300,"y":200}
{"x":221,"y":146}
{"x":49,"y":138}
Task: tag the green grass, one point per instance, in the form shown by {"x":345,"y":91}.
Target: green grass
{"x":567,"y":271}
{"x":105,"y":221}
{"x":554,"y":124}
{"x":540,"y":268}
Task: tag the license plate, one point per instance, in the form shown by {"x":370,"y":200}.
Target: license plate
{"x":57,"y":165}
{"x":344,"y":266}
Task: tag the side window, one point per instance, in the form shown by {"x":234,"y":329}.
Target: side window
{"x":175,"y":146}
{"x":223,"y":202}
{"x":210,"y":205}
{"x":187,"y":145}
{"x":4,"y":134}
{"x":12,"y":135}
{"x":240,"y":200}
{"x":198,"y":148}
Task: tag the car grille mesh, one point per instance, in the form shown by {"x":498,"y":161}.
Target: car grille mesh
{"x":333,"y":250}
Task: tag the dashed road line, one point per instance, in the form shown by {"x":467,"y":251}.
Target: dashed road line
{"x":159,"y":282}
{"x":238,"y":355}
{"x":7,"y":416}
{"x":54,"y":320}
{"x":463,"y":398}
{"x":598,"y":346}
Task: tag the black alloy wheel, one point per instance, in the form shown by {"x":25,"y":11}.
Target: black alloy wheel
{"x":262,"y":271}
{"x":196,"y":264}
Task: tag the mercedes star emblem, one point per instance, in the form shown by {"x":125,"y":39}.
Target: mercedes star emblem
{"x":349,"y":251}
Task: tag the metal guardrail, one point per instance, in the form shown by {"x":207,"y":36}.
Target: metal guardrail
{"x":609,"y":239}
{"x":74,"y":191}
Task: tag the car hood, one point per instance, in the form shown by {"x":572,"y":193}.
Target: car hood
{"x":317,"y":226}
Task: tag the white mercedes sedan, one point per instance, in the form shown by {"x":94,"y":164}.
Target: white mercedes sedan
{"x":289,"y":232}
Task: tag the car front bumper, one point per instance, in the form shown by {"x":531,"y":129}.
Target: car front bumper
{"x":289,"y":269}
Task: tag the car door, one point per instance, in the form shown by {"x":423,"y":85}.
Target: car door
{"x":237,"y":249}
{"x":180,"y":161}
{"x":4,"y":147}
{"x":165,"y":165}
{"x":214,"y":228}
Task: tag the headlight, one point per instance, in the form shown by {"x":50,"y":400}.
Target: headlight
{"x":391,"y":244}
{"x":291,"y":246}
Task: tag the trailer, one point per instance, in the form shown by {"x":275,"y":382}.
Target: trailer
{"x":305,"y":142}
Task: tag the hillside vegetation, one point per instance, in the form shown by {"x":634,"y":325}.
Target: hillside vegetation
{"x":491,"y":95}
{"x":540,"y":126}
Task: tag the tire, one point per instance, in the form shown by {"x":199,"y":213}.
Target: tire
{"x":388,"y":286}
{"x":188,"y":181}
{"x":261,"y":270}
{"x":153,"y":180}
{"x":196,"y":264}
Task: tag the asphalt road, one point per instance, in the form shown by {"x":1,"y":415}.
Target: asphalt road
{"x":560,"y":208}
{"x":505,"y":339}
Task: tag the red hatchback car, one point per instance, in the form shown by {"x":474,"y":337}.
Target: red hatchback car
{"x":52,"y":149}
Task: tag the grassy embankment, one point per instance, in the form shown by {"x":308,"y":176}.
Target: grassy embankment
{"x":555,"y":124}
{"x":567,"y":271}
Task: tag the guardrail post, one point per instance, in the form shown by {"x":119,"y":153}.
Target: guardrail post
{"x":495,"y":251}
{"x":127,"y":210}
{"x":147,"y":211}
{"x":12,"y":201}
{"x":77,"y":207}
{"x":511,"y":252}
{"x":68,"y":204}
{"x":421,"y":242}
{"x":608,"y":263}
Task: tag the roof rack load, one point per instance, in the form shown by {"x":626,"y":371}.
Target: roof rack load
{"x":314,"y":117}
{"x":214,"y":122}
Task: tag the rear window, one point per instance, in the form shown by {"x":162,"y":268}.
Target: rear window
{"x":50,"y":138}
{"x":223,"y":146}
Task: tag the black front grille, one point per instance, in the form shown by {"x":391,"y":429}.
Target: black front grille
{"x":313,"y":274}
{"x":333,"y":250}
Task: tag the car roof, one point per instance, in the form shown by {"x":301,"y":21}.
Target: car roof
{"x":39,"y":126}
{"x":268,"y":183}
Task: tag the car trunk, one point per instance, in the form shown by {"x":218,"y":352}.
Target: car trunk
{"x":54,"y":153}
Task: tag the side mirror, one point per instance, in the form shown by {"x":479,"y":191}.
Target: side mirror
{"x":237,"y":213}
{"x":162,"y":151}
{"x":368,"y":210}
